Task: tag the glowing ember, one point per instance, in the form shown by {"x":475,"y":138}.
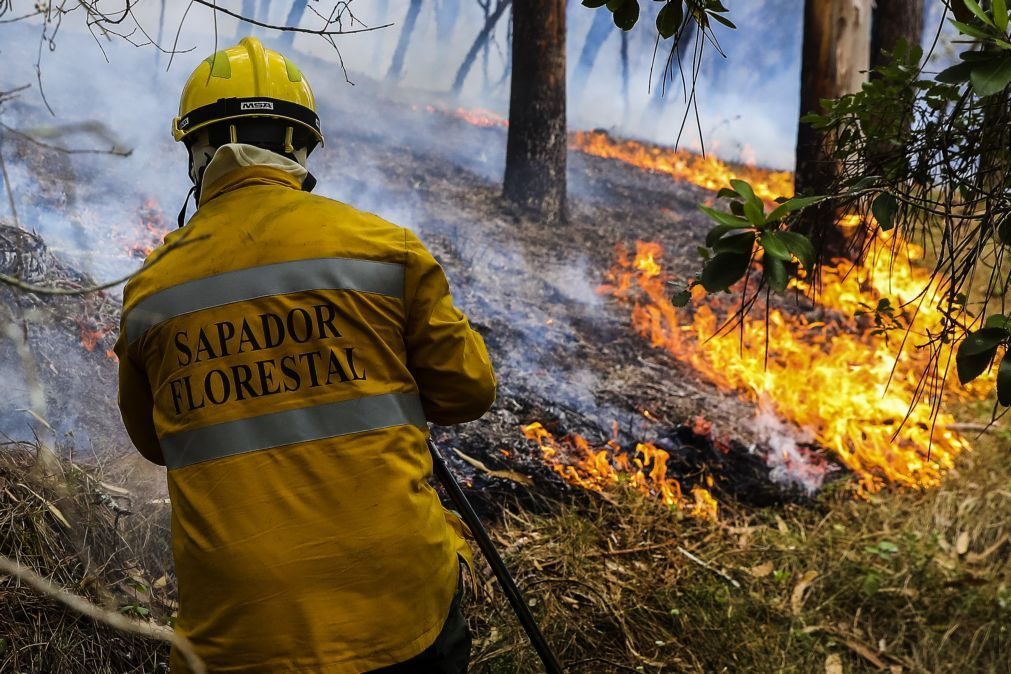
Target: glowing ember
{"x":480,"y":117}
{"x":829,"y":376}
{"x":708,"y":171}
{"x":155,"y":229}
{"x":597,"y":469}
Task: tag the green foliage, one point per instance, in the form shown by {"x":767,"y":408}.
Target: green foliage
{"x":746,"y":230}
{"x":887,"y":318}
{"x":930,"y":157}
{"x":672,"y":16}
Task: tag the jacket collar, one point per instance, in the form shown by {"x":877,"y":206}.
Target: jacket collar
{"x":237,"y":165}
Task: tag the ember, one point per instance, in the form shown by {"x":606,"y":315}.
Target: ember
{"x":155,"y":229}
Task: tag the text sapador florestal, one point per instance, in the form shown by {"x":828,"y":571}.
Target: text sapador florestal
{"x":305,"y":361}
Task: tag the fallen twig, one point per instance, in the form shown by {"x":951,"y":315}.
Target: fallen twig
{"x":115,"y":620}
{"x":706,"y":565}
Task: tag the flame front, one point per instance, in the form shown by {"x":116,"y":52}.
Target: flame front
{"x":826,"y":374}
{"x":708,"y":171}
{"x":597,"y":469}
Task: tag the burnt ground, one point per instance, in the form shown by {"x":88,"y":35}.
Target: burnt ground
{"x":564,"y":355}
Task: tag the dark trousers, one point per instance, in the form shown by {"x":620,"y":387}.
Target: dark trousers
{"x":449,"y":654}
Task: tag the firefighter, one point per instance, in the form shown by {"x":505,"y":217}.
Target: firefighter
{"x":281,"y":354}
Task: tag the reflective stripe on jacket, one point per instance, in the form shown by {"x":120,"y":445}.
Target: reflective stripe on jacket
{"x":281,"y":355}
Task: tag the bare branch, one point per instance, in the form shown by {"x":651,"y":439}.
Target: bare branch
{"x":115,"y":620}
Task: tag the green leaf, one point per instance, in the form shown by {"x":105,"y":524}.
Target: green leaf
{"x":717,"y":233}
{"x":744,"y":189}
{"x":998,"y":321}
{"x":978,"y":11}
{"x":755,"y":214}
{"x":1004,"y":231}
{"x":1000,"y":16}
{"x":970,"y":367}
{"x":727,"y":193}
{"x":884,"y":207}
{"x":775,"y":273}
{"x":774,"y":246}
{"x":669,"y":19}
{"x":724,"y":270}
{"x":1004,"y":380}
{"x":681,"y":299}
{"x":977,"y":351}
{"x":991,"y":77}
{"x":725,"y":21}
{"x":726,"y":218}
{"x":594,"y":4}
{"x":626,"y":15}
{"x":615,"y":5}
{"x":956,"y":74}
{"x":790,"y":206}
{"x":742,"y":242}
{"x":800,"y":246}
{"x":971,"y":31}
{"x":982,"y":341}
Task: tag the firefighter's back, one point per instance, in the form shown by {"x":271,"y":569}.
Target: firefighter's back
{"x":275,"y":331}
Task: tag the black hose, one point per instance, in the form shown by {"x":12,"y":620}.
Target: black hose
{"x":467,"y":512}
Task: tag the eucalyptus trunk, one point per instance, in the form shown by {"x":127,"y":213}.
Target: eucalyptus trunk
{"x":835,"y":60}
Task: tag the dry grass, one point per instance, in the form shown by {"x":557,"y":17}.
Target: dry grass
{"x":911,"y":582}
{"x":62,"y":522}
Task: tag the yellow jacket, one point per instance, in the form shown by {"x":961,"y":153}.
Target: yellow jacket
{"x":281,"y":355}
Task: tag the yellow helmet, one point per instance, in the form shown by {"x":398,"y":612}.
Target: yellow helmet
{"x":245,"y":83}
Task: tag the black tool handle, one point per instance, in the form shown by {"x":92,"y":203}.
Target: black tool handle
{"x":551,"y":665}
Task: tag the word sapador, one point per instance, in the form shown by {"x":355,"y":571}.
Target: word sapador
{"x":301,"y":358}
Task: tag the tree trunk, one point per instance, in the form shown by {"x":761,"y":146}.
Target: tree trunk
{"x":600,"y":30}
{"x":294,"y":19}
{"x":624,"y":75}
{"x":835,"y":58}
{"x":479,"y":42}
{"x":397,"y":66}
{"x":895,"y":20}
{"x":536,"y":147}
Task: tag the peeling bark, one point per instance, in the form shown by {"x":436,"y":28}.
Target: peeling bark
{"x":836,"y":57}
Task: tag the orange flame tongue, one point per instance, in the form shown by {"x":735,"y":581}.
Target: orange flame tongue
{"x":597,"y":469}
{"x":828,"y":376}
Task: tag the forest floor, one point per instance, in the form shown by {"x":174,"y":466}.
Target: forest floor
{"x":910,"y":581}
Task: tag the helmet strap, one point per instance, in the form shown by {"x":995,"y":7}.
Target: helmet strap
{"x":182,"y":212}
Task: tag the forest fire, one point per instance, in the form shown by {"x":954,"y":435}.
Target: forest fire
{"x":708,"y":172}
{"x":828,"y":375}
{"x":645,"y":469}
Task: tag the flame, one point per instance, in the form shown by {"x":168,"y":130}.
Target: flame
{"x":824,"y":373}
{"x":708,"y":172}
{"x":155,"y":229}
{"x":480,"y":117}
{"x":597,"y":469}
{"x":828,"y":374}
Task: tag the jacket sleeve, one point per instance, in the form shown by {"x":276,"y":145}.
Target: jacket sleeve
{"x":136,"y":404}
{"x":447,"y":358}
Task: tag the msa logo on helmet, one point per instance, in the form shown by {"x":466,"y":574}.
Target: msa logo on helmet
{"x":184,"y":122}
{"x":256,"y":105}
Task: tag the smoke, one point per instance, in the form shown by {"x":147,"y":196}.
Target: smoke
{"x":786,"y":451}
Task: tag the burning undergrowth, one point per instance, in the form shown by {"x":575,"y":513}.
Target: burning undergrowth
{"x":611,"y":409}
